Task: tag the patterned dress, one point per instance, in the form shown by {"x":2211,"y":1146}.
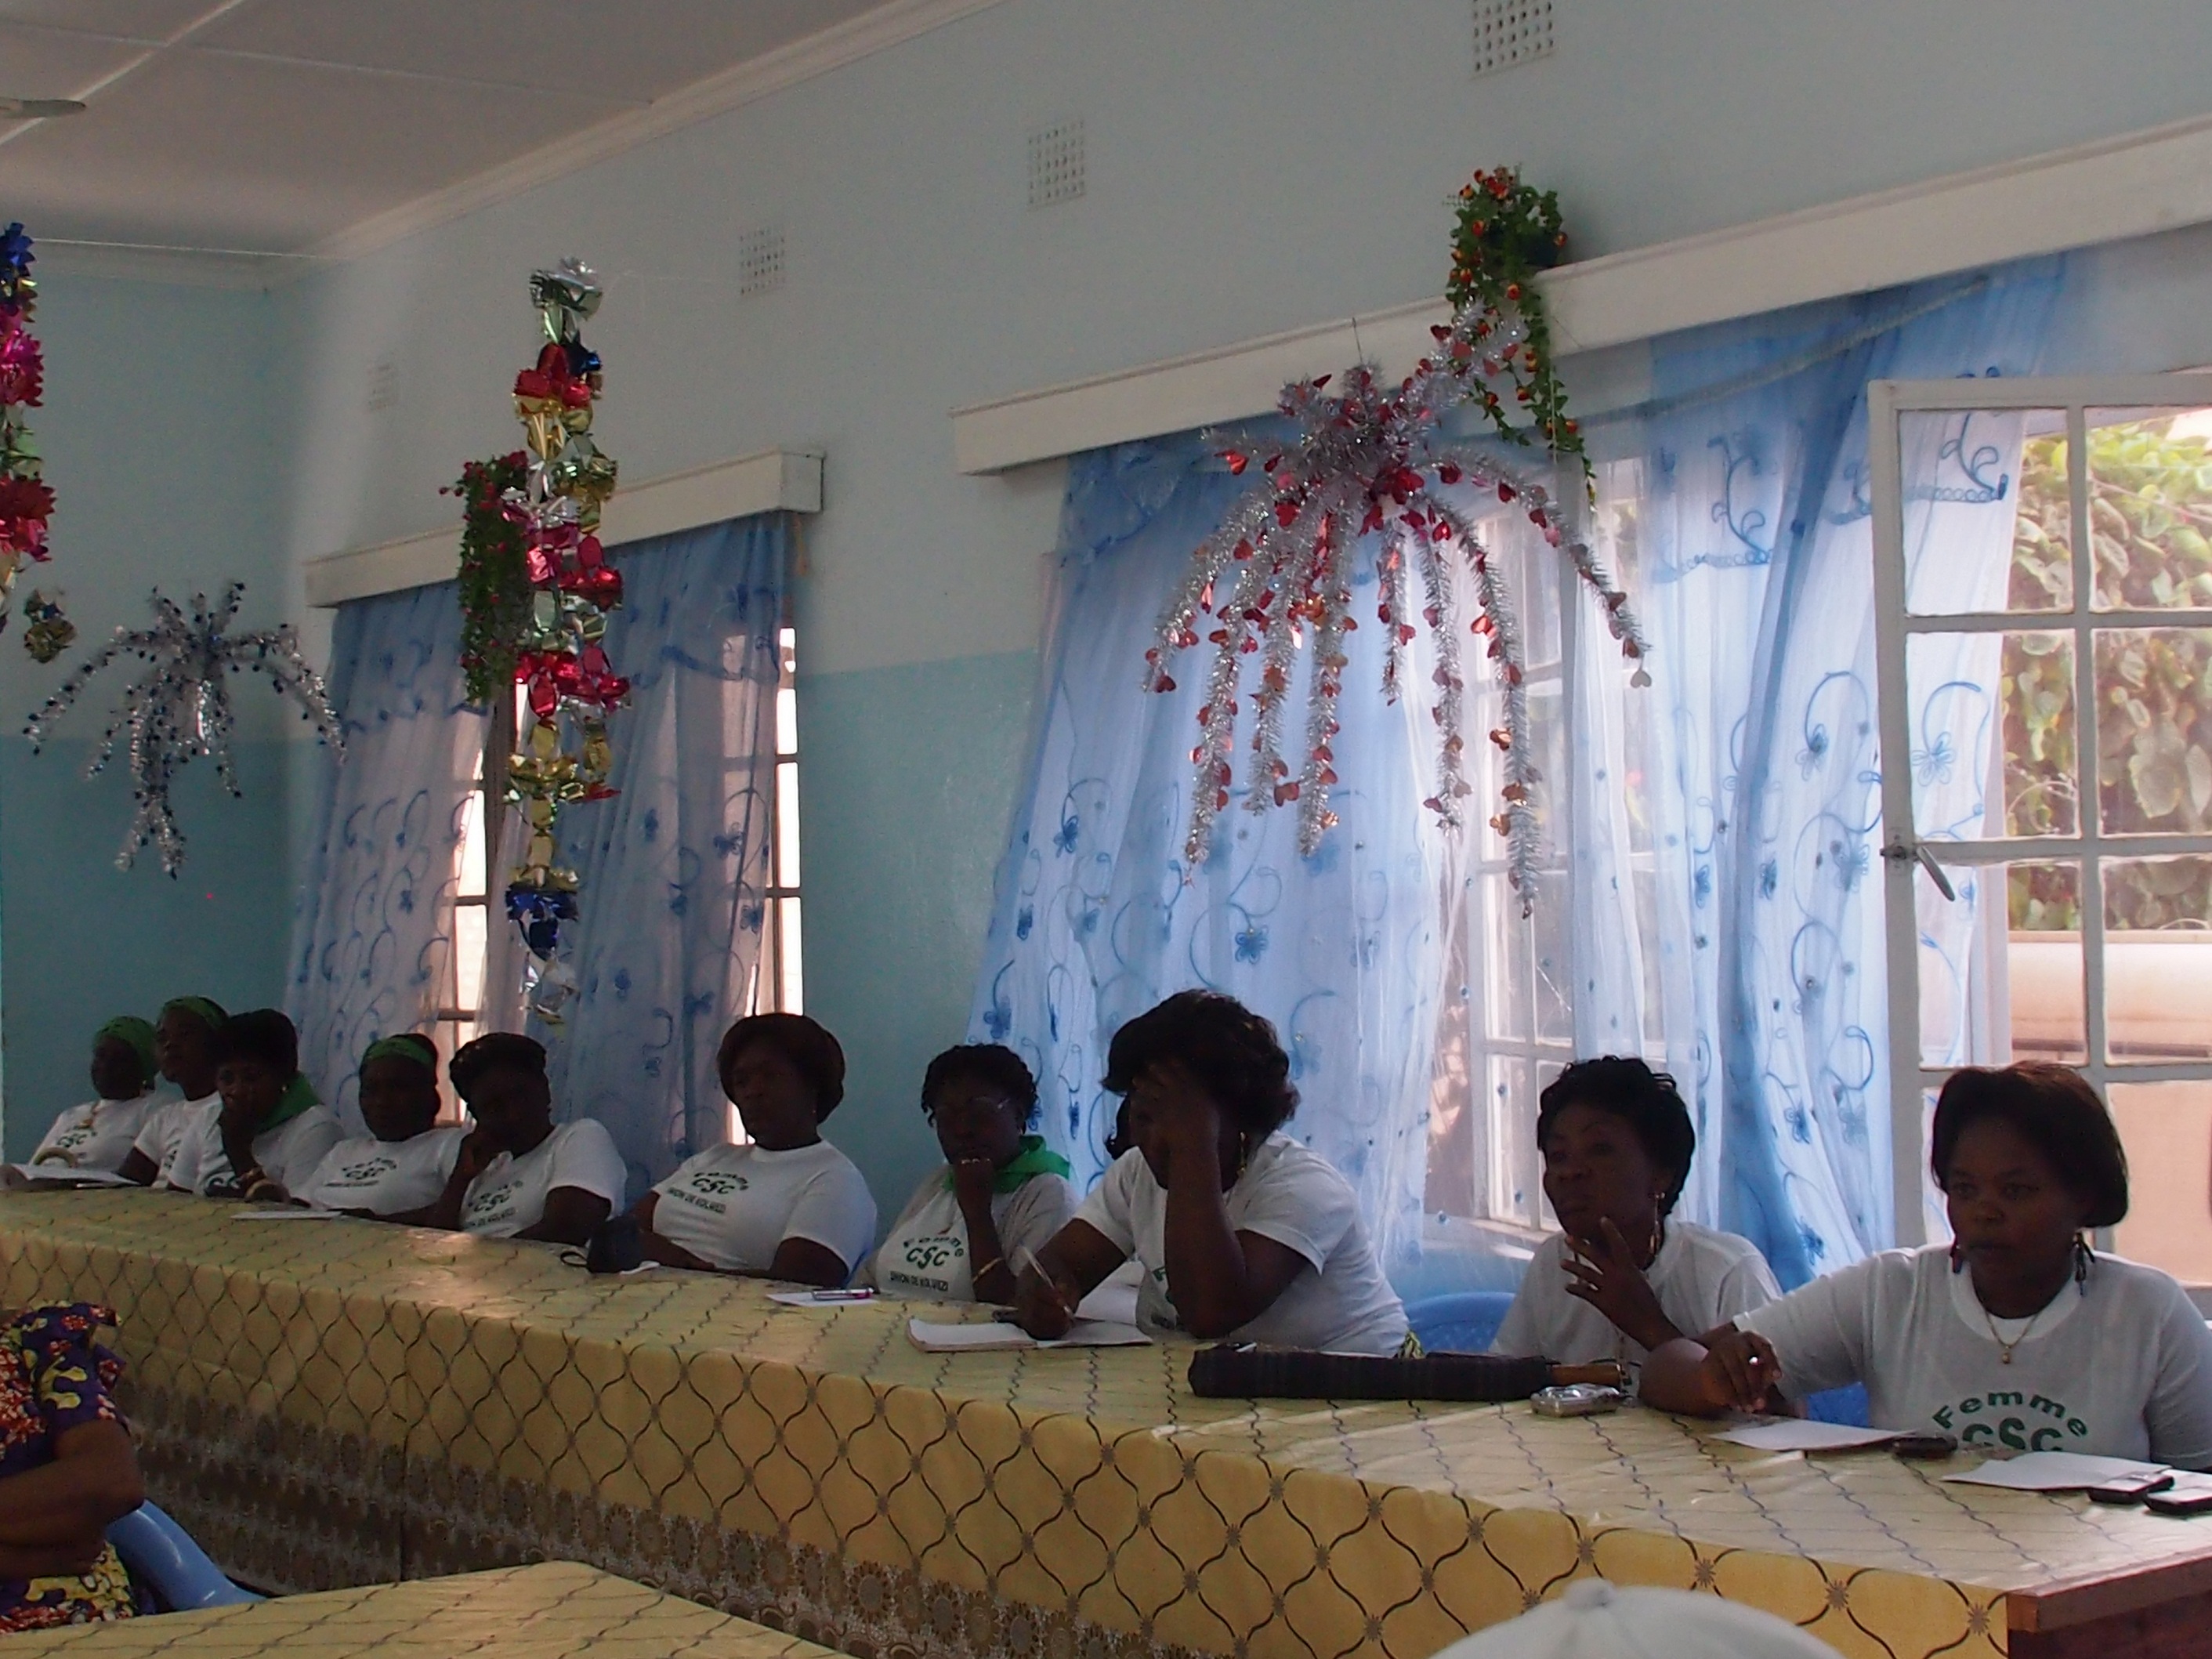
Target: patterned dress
{"x":54,"y":1376}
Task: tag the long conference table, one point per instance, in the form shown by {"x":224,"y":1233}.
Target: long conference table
{"x":328,"y":1404}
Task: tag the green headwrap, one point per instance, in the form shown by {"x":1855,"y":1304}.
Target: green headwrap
{"x":209,"y":1013}
{"x":129,"y":1028}
{"x":1034,"y":1158}
{"x":405,"y":1045}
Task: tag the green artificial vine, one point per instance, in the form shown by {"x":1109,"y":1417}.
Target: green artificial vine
{"x":494,"y":579}
{"x":1507,"y":232}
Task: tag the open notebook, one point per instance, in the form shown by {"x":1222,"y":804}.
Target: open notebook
{"x":934,"y":1337}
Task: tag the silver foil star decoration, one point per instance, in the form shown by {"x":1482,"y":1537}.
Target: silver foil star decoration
{"x":178,"y":707}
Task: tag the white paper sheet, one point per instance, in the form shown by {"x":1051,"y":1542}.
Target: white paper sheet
{"x":1803,"y":1434}
{"x":819,"y":1299}
{"x":933,"y":1338}
{"x":2053,"y":1471}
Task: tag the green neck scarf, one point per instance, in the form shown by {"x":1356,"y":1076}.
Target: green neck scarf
{"x":1034,"y":1158}
{"x":298,"y":1094}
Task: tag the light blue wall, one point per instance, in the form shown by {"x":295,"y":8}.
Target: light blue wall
{"x":157,"y":436}
{"x":1253,"y":165}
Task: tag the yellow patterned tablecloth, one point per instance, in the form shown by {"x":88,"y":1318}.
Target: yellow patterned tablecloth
{"x":558,"y":1610}
{"x":327,"y":1403}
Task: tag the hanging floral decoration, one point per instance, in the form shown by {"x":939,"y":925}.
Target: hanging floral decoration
{"x":495,"y":583}
{"x":562,"y":756}
{"x":27,"y":501}
{"x":1506,"y":232}
{"x":1370,"y":475}
{"x":178,"y":706}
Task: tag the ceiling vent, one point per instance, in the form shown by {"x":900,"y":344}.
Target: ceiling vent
{"x":1056,"y":163}
{"x":1510,"y":32}
{"x":760,"y":261}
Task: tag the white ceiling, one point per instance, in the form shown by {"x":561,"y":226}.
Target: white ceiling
{"x":277,"y":126}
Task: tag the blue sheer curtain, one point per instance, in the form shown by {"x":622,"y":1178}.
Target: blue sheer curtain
{"x":1098,"y":916}
{"x":371,"y":942}
{"x":1726,"y":830}
{"x":675,"y":867}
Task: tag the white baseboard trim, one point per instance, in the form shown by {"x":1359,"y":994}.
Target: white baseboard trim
{"x":2133,"y":185}
{"x":775,"y":480}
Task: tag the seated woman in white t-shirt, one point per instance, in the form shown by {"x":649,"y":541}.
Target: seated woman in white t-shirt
{"x":406,"y":1157}
{"x":788,"y":1205}
{"x":518,"y":1174}
{"x":1243,"y":1233}
{"x":266,"y":1131}
{"x":999,"y":1195}
{"x":99,"y":1134}
{"x":2016,"y":1336}
{"x":184,"y":1048}
{"x":1622,"y":1276}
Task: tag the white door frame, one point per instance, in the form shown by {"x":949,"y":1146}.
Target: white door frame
{"x":1903,"y":853}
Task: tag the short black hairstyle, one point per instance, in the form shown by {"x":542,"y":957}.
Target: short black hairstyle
{"x":990,"y":1064}
{"x":805,"y":1042}
{"x":260,"y":1035}
{"x":2054,"y":1111}
{"x":495,"y":1051}
{"x":1228,"y":1048}
{"x":1646,"y":1101}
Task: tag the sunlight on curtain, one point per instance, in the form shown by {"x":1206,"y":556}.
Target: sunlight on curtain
{"x":675,"y":867}
{"x":369,"y":949}
{"x":1726,"y":831}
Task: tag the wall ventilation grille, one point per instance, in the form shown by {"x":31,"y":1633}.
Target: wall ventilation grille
{"x":1510,"y":32}
{"x":760,"y":261}
{"x":1056,"y":164}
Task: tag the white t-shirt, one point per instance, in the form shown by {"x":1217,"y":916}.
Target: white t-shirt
{"x":925,"y":1253}
{"x":161,"y":1136}
{"x":288,"y":1154}
{"x":1287,"y":1193}
{"x":384,"y":1177}
{"x":731,"y":1205}
{"x":2122,"y":1367}
{"x":97,"y":1135}
{"x":509,"y":1196}
{"x":1703,"y":1279}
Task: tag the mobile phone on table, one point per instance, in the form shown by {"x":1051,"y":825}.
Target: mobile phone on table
{"x":2190,"y":1494}
{"x":2132,"y":1488}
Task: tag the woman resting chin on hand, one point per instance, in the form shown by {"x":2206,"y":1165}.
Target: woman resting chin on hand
{"x":1242,"y":1232}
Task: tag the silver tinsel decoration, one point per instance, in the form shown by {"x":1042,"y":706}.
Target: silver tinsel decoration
{"x":179,"y":707}
{"x":1369,"y":466}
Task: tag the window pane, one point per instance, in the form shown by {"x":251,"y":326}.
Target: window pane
{"x":791,"y":992}
{"x":468,"y":857}
{"x":1968,"y":692}
{"x":2166,"y":1129}
{"x":2001,"y":965}
{"x":2150,"y":507}
{"x":787,"y":823}
{"x":1985,"y":511}
{"x":2155,"y":729}
{"x":2158,"y":959}
{"x":470,"y":922}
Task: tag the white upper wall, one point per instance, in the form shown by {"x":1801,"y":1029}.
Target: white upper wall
{"x":1252,"y":166}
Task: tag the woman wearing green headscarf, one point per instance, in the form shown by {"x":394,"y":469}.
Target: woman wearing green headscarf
{"x":406,"y":1157}
{"x":183,"y":1044}
{"x":97,"y":1134}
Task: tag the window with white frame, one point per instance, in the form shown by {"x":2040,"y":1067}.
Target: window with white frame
{"x":2043,"y":583}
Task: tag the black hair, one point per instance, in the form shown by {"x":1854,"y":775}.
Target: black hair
{"x":805,"y":1042}
{"x":1230,"y":1051}
{"x":2056,"y":1111}
{"x":1646,"y":1101}
{"x":990,"y":1064}
{"x":495,"y":1051}
{"x":260,"y":1035}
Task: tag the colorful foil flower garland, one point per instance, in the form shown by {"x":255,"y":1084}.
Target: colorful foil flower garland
{"x":179,"y":706}
{"x":27,"y":501}
{"x":1372,"y":460}
{"x":560,"y":660}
